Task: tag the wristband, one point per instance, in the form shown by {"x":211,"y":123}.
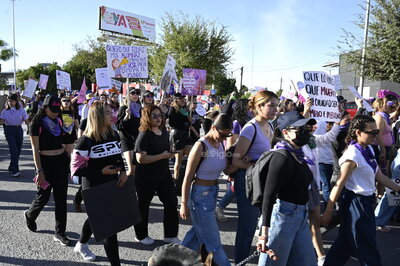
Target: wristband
{"x":38,"y":171}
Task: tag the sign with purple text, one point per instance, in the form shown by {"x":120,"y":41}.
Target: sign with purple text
{"x":43,"y":81}
{"x":193,"y":81}
{"x":124,"y":61}
{"x":63,"y":80}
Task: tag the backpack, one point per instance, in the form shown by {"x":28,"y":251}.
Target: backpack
{"x":256,"y":176}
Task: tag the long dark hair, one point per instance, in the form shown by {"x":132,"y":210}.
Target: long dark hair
{"x":359,"y":122}
{"x":15,"y":98}
{"x":241,"y":112}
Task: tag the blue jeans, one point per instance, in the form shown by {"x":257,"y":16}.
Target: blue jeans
{"x":14,"y":137}
{"x":356,"y":235}
{"x":247,"y":221}
{"x":202,"y":202}
{"x":228,"y":197}
{"x":383,"y":212}
{"x":289,"y":236}
{"x":325,"y":172}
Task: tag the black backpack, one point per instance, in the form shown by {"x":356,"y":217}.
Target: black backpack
{"x":256,"y":176}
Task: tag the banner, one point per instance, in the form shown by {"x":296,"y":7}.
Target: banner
{"x":119,"y":21}
{"x":43,"y":81}
{"x":193,"y":81}
{"x":30,"y":88}
{"x":320,"y":88}
{"x":365,"y":104}
{"x":82,"y":92}
{"x":125,"y":61}
{"x":63,"y":80}
{"x":103,"y":81}
{"x":168,"y":73}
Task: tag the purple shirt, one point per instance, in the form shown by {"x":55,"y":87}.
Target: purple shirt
{"x":261,"y":142}
{"x":14,"y":117}
{"x":236,"y":127}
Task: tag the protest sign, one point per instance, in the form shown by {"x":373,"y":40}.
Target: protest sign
{"x":43,"y":81}
{"x":193,"y":81}
{"x":393,"y":197}
{"x":320,"y":88}
{"x":168,"y":73}
{"x":125,"y":61}
{"x":63,"y":80}
{"x":115,"y":84}
{"x":366,"y":105}
{"x":103,"y":81}
{"x":30,"y":88}
{"x":82,"y":92}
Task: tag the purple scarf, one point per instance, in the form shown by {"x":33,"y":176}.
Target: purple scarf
{"x":298,"y":152}
{"x":386,"y":116}
{"x":367,"y":154}
{"x":135,"y":109}
{"x":54,"y":127}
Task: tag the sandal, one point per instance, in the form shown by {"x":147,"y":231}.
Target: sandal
{"x":383,"y":229}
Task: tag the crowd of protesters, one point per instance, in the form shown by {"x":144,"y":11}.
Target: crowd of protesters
{"x":108,"y":138}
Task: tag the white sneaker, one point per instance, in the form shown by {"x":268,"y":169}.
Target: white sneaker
{"x":321,"y":261}
{"x":17,"y":174}
{"x":85,"y":252}
{"x":145,"y":241}
{"x":172,"y":240}
{"x":219,"y":213}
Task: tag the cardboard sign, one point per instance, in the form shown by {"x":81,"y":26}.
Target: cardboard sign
{"x":168,"y":73}
{"x":103,"y":81}
{"x":124,"y":61}
{"x":392,"y":196}
{"x":320,"y":88}
{"x":193,"y":81}
{"x":43,"y":81}
{"x":365,"y":104}
{"x":63,"y":80}
{"x":30,"y":88}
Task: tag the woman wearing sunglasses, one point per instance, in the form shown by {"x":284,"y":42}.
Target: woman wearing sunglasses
{"x":70,"y":125}
{"x":153,"y":175}
{"x":356,"y":188}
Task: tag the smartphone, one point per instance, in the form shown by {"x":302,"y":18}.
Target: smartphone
{"x":45,"y":185}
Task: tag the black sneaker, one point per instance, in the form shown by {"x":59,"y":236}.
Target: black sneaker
{"x":31,"y":225}
{"x":63,"y":239}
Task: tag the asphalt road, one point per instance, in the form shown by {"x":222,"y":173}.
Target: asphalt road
{"x":19,"y":246}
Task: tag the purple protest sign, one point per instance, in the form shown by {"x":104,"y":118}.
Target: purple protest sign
{"x":193,"y":81}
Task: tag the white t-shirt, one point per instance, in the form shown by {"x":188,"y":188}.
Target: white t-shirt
{"x":362,"y":179}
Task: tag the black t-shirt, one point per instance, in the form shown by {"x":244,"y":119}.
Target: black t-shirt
{"x":153,"y":144}
{"x":101,"y":154}
{"x":287,"y":180}
{"x":47,"y":141}
{"x":83,"y":124}
{"x":177,"y":120}
{"x":130,"y":126}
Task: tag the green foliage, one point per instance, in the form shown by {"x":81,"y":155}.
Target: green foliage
{"x":225,"y":86}
{"x":382,"y":60}
{"x":35,"y":71}
{"x":279,"y":92}
{"x":5,"y":52}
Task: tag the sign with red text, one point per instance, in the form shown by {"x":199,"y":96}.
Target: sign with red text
{"x":320,"y":87}
{"x":119,"y":21}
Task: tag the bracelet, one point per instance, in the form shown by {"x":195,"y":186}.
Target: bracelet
{"x":38,"y":171}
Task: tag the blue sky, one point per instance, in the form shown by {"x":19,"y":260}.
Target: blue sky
{"x":286,"y":37}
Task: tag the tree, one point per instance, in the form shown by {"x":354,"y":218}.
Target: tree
{"x":5,"y":52}
{"x":35,"y":71}
{"x":225,"y":86}
{"x":196,"y":43}
{"x":382,"y":60}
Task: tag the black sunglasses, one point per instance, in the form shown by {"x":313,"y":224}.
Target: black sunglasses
{"x":222,"y":135}
{"x":155,"y":116}
{"x":372,"y":132}
{"x":135,"y":92}
{"x":65,"y":101}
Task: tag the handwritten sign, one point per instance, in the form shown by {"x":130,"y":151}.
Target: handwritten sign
{"x":103,"y":81}
{"x":63,"y":80}
{"x":125,"y":61}
{"x":168,"y":73}
{"x":30,"y":88}
{"x":115,"y":84}
{"x":43,"y":81}
{"x":193,"y":81}
{"x":320,"y":88}
{"x":365,"y":104}
{"x":392,"y":196}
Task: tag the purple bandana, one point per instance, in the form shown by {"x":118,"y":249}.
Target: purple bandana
{"x":299,"y":153}
{"x":135,"y":109}
{"x":54,"y":127}
{"x":367,"y":154}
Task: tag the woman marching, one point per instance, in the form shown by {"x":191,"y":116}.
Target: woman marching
{"x":52,"y":167}
{"x":205,"y":163}
{"x":356,"y":189}
{"x":70,"y":124}
{"x":100,"y":167}
{"x":153,"y":175}
{"x":13,"y":116}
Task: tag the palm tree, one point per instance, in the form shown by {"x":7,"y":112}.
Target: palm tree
{"x":5,"y":52}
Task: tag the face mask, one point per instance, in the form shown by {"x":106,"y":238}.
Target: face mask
{"x":302,"y":137}
{"x":311,"y":143}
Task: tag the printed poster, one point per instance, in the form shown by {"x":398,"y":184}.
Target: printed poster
{"x":168,"y":73}
{"x":63,"y":80}
{"x":124,"y":61}
{"x":30,"y":88}
{"x":193,"y":81}
{"x":43,"y":81}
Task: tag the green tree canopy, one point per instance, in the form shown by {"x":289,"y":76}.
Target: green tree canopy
{"x":382,"y":60}
{"x":35,"y":71}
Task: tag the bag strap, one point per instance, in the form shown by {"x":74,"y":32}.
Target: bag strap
{"x":253,"y":138}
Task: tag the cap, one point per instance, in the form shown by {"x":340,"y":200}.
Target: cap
{"x":341,"y":99}
{"x":53,"y":103}
{"x":133,"y":89}
{"x":13,"y":97}
{"x":178,"y":95}
{"x":288,"y":118}
{"x":148,"y":93}
{"x":303,"y":122}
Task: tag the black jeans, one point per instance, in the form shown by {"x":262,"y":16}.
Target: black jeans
{"x":166,"y":193}
{"x":110,"y":243}
{"x":55,"y":169}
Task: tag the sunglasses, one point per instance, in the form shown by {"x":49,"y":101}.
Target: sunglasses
{"x":65,"y":101}
{"x":222,"y":135}
{"x":149,"y":96}
{"x":155,"y":116}
{"x":135,"y":92}
{"x":372,"y":132}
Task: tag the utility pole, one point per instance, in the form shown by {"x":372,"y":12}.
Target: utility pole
{"x":15,"y":64}
{"x":364,"y":47}
{"x":241,"y":78}
{"x":280,"y":86}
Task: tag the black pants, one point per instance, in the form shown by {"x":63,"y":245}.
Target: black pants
{"x":78,"y":196}
{"x":166,"y":193}
{"x":55,"y":169}
{"x":110,"y":243}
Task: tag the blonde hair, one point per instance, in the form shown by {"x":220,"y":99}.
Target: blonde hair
{"x":96,"y":128}
{"x":260,"y":98}
{"x":379,"y":104}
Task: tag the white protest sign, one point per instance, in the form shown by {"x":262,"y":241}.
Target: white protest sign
{"x":30,"y":88}
{"x":320,"y":88}
{"x":168,"y":73}
{"x":337,"y":82}
{"x":63,"y":80}
{"x":103,"y":81}
{"x":115,"y":84}
{"x":393,"y":197}
{"x":43,"y":81}
{"x":366,"y":105}
{"x":125,"y":61}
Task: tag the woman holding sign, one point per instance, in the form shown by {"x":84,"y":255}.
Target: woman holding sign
{"x":356,"y":189}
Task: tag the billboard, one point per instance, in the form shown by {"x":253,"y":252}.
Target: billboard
{"x":119,"y":21}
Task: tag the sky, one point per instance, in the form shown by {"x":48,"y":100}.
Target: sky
{"x":273,"y":39}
